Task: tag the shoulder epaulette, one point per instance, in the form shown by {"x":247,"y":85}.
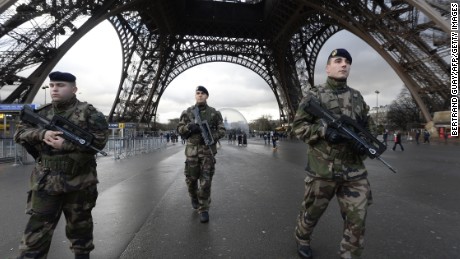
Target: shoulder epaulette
{"x":83,"y":104}
{"x":212,"y":109}
{"x":320,"y":89}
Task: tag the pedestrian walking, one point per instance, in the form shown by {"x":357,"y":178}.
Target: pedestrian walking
{"x":167,"y":137}
{"x":426,"y":136}
{"x":64,"y":178}
{"x":334,"y":163}
{"x":385,"y":137}
{"x":398,"y":141}
{"x":417,"y":136}
{"x":275,"y":140}
{"x":200,"y":161}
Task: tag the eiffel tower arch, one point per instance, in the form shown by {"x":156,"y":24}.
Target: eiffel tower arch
{"x":277,"y":39}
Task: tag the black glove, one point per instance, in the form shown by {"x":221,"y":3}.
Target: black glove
{"x":333,"y":136}
{"x":193,"y":128}
{"x":358,"y":148}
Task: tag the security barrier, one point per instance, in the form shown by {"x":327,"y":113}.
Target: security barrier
{"x":11,"y":152}
{"x":117,"y":148}
{"x":126,"y":147}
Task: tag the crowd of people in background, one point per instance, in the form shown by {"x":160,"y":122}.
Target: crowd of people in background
{"x":272,"y":137}
{"x":418,"y":136}
{"x":240,"y":139}
{"x":173,"y":137}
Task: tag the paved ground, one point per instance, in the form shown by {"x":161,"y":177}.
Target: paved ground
{"x":143,"y":210}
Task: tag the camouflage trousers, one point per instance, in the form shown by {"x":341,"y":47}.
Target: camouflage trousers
{"x":353,"y":197}
{"x":46,"y":209}
{"x":199,"y":170}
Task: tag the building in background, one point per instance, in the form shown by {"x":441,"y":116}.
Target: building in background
{"x":379,"y":115}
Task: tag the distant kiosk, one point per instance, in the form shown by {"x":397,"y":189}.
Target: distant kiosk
{"x":7,"y":121}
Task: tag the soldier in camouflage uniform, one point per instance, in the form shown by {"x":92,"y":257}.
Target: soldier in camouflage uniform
{"x":335,"y":163}
{"x":64,"y":178}
{"x":200,"y":161}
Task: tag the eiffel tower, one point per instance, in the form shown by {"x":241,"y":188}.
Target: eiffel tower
{"x":277,"y":39}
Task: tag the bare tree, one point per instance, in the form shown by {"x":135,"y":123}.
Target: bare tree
{"x":264,"y":123}
{"x":404,"y":112}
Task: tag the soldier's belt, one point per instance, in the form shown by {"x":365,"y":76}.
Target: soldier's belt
{"x":69,"y":164}
{"x":196,"y":141}
{"x":342,"y":154}
{"x":57,"y":163}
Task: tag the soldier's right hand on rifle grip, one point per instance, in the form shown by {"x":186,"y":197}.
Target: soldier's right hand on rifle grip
{"x":359,"y":148}
{"x":333,"y":136}
{"x":193,"y":128}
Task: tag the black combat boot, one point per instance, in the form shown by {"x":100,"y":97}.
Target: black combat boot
{"x":204,"y":217}
{"x":195,"y":203}
{"x":304,"y":251}
{"x":82,"y":256}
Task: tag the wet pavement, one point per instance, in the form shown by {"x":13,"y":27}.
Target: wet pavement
{"x":143,"y":210}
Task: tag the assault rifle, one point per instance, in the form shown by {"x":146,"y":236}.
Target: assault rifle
{"x":204,"y":127}
{"x":350,"y":129}
{"x":70,"y":131}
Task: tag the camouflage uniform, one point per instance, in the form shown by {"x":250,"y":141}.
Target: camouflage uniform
{"x":334,"y":169}
{"x":62,"y":181}
{"x":200,"y":161}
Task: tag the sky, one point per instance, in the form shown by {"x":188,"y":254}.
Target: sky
{"x":97,"y":63}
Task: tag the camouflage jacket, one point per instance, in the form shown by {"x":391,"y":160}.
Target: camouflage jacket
{"x":326,"y":160}
{"x":73,"y":167}
{"x":211,"y":115}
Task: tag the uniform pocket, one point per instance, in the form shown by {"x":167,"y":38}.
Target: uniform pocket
{"x":38,"y":178}
{"x":80,"y":163}
{"x":91,"y":195}
{"x":191,"y":150}
{"x":333,"y":104}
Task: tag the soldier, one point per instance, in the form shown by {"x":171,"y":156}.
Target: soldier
{"x":64,"y":178}
{"x":200,"y":161}
{"x":335,"y":164}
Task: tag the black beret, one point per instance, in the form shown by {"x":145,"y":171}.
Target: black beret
{"x":340,"y":53}
{"x":202,"y":89}
{"x":62,"y":76}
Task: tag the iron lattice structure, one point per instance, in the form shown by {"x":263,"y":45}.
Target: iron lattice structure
{"x":278,"y":39}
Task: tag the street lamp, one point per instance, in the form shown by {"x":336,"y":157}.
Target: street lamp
{"x":377,"y":116}
{"x":44,"y":88}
